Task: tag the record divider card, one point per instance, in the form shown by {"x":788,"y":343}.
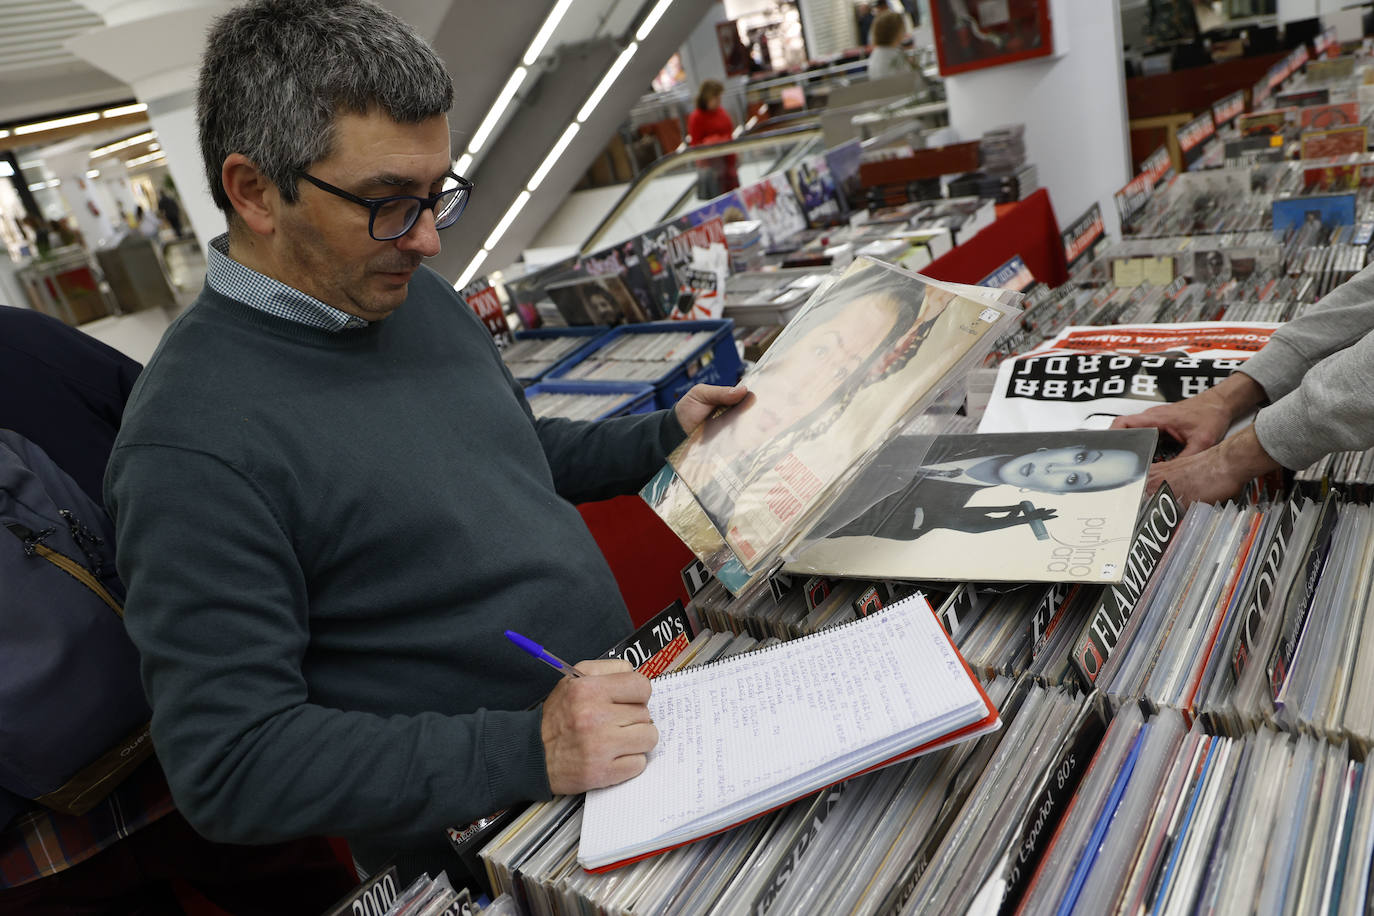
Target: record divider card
{"x":748,"y":734}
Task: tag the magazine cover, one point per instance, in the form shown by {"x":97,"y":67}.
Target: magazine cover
{"x":815,"y":189}
{"x":1086,"y":377}
{"x":599,"y":300}
{"x":772,"y":203}
{"x":1015,"y":507}
{"x":846,"y":373}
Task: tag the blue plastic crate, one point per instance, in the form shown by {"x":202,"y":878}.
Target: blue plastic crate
{"x":714,"y":361}
{"x":639,"y":396}
{"x":592,"y":333}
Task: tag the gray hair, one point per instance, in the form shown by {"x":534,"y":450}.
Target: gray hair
{"x":277,"y":72}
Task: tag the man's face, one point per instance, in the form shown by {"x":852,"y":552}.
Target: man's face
{"x":1063,"y":470}
{"x":322,"y":240}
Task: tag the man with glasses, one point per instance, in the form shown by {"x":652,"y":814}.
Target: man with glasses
{"x":331,"y":497}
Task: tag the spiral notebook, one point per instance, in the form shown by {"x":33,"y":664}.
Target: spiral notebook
{"x":748,"y":734}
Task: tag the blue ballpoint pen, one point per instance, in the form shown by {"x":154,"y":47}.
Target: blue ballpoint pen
{"x":545,"y":656}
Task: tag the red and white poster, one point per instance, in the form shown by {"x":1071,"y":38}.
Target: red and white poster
{"x":482,"y":298}
{"x":1086,"y":377}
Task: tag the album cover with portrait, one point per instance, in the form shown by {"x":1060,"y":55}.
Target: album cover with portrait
{"x":865,"y":356}
{"x":993,"y":507}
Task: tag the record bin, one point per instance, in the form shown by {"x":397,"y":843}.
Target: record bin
{"x":639,"y":397}
{"x":714,"y":361}
{"x":592,"y":333}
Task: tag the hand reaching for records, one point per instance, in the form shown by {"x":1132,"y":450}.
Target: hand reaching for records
{"x":1216,"y":474}
{"x":1201,"y":421}
{"x":596,"y":728}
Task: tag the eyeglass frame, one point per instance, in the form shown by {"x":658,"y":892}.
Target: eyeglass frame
{"x":374,"y":204}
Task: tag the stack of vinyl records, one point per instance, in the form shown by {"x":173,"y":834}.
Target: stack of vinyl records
{"x":531,"y":357}
{"x":1003,"y":149}
{"x":638,"y":357}
{"x":1173,"y":822}
{"x":1350,"y":474}
{"x":1006,"y":187}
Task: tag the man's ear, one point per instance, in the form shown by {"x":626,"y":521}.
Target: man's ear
{"x":253,"y":195}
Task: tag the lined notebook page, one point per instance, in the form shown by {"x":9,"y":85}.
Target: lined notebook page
{"x":751,"y":732}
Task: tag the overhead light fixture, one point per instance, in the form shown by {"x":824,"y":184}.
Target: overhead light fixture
{"x":463,"y":164}
{"x":541,"y":38}
{"x":42,"y":185}
{"x":55,"y":123}
{"x":498,"y":108}
{"x":93,"y":173}
{"x":607,"y":81}
{"x":652,"y":19}
{"x":516,"y":206}
{"x":143,"y":160}
{"x":124,"y":144}
{"x":154,"y":147}
{"x":124,"y":110}
{"x":6,"y":170}
{"x":471,"y":270}
{"x":4,"y":133}
{"x":558,"y":149}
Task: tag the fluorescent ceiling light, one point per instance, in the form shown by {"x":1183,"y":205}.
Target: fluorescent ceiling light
{"x":124,"y":144}
{"x":652,"y":19}
{"x":607,"y":81}
{"x":541,"y":38}
{"x":93,"y":173}
{"x":4,"y":133}
{"x":462,"y":165}
{"x":6,"y":170}
{"x":475,"y":263}
{"x":123,"y":110}
{"x":141,"y":160}
{"x":51,"y":183}
{"x":501,"y":227}
{"x":558,"y":149}
{"x":154,"y":147}
{"x":497,"y":109}
{"x":55,"y":123}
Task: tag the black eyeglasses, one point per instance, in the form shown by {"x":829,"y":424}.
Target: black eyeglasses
{"x":392,"y":217}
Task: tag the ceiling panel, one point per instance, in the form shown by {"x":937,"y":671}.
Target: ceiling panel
{"x":32,"y":33}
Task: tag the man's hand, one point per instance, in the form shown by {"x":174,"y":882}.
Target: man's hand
{"x":1217,"y":473}
{"x":702,"y":401}
{"x":1200,"y":422}
{"x":596,"y":728}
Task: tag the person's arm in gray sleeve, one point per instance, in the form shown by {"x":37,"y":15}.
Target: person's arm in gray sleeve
{"x":1342,"y":317}
{"x":1331,"y":410}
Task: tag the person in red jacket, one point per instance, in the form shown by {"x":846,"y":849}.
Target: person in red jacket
{"x":709,"y":123}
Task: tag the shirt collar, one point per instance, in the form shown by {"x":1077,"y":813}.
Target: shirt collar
{"x":229,"y":278}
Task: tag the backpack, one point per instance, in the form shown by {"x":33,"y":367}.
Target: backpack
{"x":73,"y":714}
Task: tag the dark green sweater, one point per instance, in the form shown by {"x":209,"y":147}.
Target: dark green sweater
{"x":324,"y":537}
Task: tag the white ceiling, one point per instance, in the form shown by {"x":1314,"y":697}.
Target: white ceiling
{"x":38,"y":75}
{"x":32,"y":33}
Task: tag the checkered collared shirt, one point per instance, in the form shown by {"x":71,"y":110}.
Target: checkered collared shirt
{"x":243,"y":284}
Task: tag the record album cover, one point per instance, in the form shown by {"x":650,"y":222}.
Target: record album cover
{"x":1014,"y":507}
{"x":853,"y":367}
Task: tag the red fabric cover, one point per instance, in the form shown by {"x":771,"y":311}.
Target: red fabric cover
{"x":1027,"y":228}
{"x":643,"y":553}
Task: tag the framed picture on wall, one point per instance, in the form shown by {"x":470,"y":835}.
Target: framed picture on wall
{"x":973,"y":34}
